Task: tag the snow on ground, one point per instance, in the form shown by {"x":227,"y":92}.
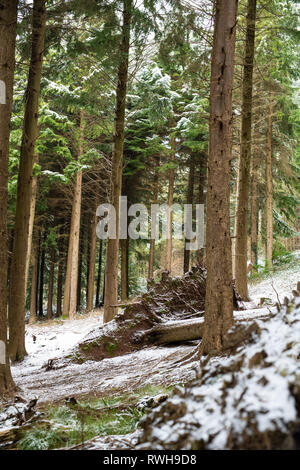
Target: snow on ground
{"x":45,"y":341}
{"x":283,"y":280}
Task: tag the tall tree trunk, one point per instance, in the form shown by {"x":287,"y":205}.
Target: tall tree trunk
{"x":269,"y":179}
{"x":70,"y":292}
{"x":42,"y":275}
{"x":169,"y":244}
{"x":51,"y":284}
{"x":80,"y":261}
{"x":87,"y":239}
{"x":254,"y":208}
{"x":31,"y":222}
{"x":17,"y":298}
{"x":92,"y":263}
{"x":202,"y":183}
{"x":124,"y":269}
{"x":241,"y":216}
{"x":59,"y":289}
{"x":34,"y":281}
{"x":8,"y":24}
{"x":219,"y":299}
{"x":189,"y":200}
{"x":154,"y":201}
{"x":112,"y":245}
{"x":97,"y":301}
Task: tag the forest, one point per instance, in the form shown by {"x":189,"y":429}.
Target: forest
{"x":149,"y":225}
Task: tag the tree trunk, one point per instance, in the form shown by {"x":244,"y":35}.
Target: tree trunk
{"x":97,"y":301}
{"x":124,"y":269}
{"x":31,"y":222}
{"x":8,"y":24}
{"x":241,"y":216}
{"x":93,"y":246}
{"x":51,"y":283}
{"x":202,"y":197}
{"x":112,"y":245}
{"x":219,"y":301}
{"x":80,"y":257}
{"x":189,"y":200}
{"x":70,"y":293}
{"x":42,"y":273}
{"x":254,"y":208}
{"x":154,"y":201}
{"x":169,"y":244}
{"x":16,"y":310}
{"x":269,"y":179}
{"x":34,"y":281}
{"x":87,"y":257}
{"x":59,"y":289}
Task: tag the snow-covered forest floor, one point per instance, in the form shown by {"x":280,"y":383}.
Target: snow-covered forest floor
{"x":148,"y":366}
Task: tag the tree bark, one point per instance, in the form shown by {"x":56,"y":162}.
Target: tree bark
{"x":31,"y":222}
{"x":51,"y":284}
{"x":124,"y":269}
{"x":219,"y":301}
{"x":97,"y":301}
{"x":59,"y":289}
{"x":42,"y":274}
{"x":169,"y":244}
{"x":70,"y":293}
{"x":112,"y":245}
{"x":269,"y":180}
{"x":254,"y":208}
{"x":93,"y":246}
{"x":8,"y":24}
{"x":202,"y":183}
{"x":189,"y":200}
{"x":17,"y":298}
{"x":34,"y":281}
{"x":241,"y":216}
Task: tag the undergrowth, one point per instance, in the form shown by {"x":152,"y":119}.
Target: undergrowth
{"x":72,"y":424}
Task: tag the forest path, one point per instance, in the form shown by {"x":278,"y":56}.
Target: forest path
{"x":118,"y":375}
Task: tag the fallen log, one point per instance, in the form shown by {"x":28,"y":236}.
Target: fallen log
{"x":189,"y":330}
{"x":176,"y":331}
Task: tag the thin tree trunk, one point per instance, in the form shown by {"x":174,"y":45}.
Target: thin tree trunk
{"x":92,"y":263}
{"x":80,"y":258}
{"x":59,"y":289}
{"x":202,"y":198}
{"x":34,"y":281}
{"x":70,"y":293}
{"x":154,"y":201}
{"x":87,"y":257}
{"x":269,"y":179}
{"x":219,"y":299}
{"x":168,"y":261}
{"x":112,"y":246}
{"x":17,"y":299}
{"x":189,"y":200}
{"x":42,"y":274}
{"x":51,"y":284}
{"x":254,"y":208}
{"x":31,"y":222}
{"x":8,"y":23}
{"x":241,"y":216}
{"x":97,"y":301}
{"x":124,"y":244}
